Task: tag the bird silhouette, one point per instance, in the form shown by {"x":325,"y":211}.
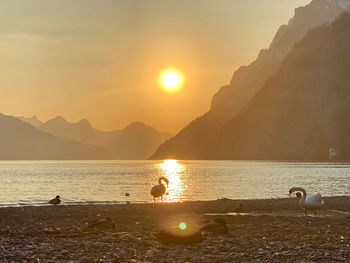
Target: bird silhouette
{"x":239,"y":209}
{"x":160,"y":189}
{"x":217,"y":226}
{"x":55,"y":201}
{"x":192,"y":233}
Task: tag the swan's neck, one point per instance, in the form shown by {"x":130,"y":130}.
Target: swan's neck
{"x":162,"y":179}
{"x":299,"y":189}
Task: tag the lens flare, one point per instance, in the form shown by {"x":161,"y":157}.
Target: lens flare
{"x":183,"y":226}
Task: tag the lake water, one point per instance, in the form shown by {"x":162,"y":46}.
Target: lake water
{"x":82,"y":182}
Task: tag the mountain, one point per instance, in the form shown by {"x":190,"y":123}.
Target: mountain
{"x":248,"y":80}
{"x":22,"y":141}
{"x":81,"y":131}
{"x":32,"y":120}
{"x":302,"y":111}
{"x":136,"y":141}
{"x":197,"y":138}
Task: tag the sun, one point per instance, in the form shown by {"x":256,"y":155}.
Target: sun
{"x":171,"y":79}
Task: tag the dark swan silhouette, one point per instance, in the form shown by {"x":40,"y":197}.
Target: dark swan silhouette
{"x":55,"y":201}
{"x":192,"y":234}
{"x":160,"y":189}
{"x":239,"y":209}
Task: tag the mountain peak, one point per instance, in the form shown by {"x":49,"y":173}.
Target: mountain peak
{"x":136,"y":124}
{"x":59,"y":118}
{"x":85,"y":123}
{"x":31,"y":120}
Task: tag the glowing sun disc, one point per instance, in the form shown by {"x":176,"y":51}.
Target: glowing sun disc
{"x":171,"y":79}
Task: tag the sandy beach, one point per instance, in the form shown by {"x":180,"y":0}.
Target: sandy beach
{"x":269,"y":231}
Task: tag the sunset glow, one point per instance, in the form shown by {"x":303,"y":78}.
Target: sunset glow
{"x":174,"y":171}
{"x":171,"y":80}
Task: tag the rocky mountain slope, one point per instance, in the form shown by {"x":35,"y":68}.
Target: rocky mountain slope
{"x":302,"y":111}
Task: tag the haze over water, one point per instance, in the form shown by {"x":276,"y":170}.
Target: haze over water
{"x":35,"y":182}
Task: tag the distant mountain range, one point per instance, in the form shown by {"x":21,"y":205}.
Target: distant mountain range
{"x":136,"y":141}
{"x":22,"y":141}
{"x":29,"y":138}
{"x":289,"y":104}
{"x":32,"y":120}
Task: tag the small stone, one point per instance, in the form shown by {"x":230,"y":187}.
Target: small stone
{"x":223,"y":248}
{"x":85,"y":259}
{"x":18,"y":255}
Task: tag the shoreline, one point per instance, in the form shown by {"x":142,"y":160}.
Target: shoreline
{"x":280,"y":201}
{"x":269,"y":230}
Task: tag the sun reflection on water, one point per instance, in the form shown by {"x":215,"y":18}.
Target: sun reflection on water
{"x":174,"y":171}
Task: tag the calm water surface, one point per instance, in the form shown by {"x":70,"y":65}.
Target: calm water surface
{"x":35,"y":182}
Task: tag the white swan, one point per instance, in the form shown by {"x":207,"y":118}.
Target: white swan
{"x":160,"y":189}
{"x":308,"y":202}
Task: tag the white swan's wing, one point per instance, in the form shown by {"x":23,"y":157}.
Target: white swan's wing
{"x":314,"y":200}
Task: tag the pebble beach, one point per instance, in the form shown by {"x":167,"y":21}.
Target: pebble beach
{"x":273,"y":230}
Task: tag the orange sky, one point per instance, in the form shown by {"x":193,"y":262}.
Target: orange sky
{"x":100,"y":60}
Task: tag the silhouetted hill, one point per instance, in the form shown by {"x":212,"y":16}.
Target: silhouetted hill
{"x":136,"y":141}
{"x":20,"y":140}
{"x":301,"y":112}
{"x":196,"y":140}
{"x":81,"y":131}
{"x":32,"y":120}
{"x":249,"y":79}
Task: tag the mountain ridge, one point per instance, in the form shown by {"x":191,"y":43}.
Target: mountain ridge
{"x":22,"y":141}
{"x":119,"y":142}
{"x":31,"y":120}
{"x":294,"y":116}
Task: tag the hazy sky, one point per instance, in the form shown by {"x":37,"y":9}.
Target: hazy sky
{"x":100,"y":59}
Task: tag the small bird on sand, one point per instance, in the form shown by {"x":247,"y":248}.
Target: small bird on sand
{"x":127,"y":194}
{"x":55,"y":201}
{"x":239,"y":209}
